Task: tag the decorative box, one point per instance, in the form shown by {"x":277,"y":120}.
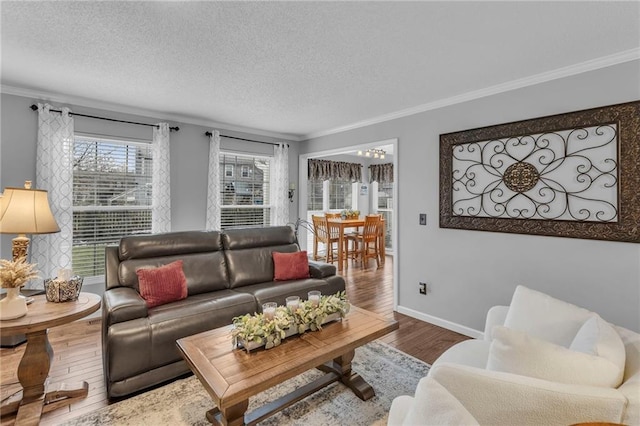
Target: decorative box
{"x":61,"y":290}
{"x":288,"y":333}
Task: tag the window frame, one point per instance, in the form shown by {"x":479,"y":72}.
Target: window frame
{"x":131,"y":142}
{"x":267,"y":208}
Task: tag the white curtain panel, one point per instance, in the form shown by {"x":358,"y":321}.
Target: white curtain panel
{"x":161,"y":194}
{"x":214,"y":211}
{"x":54,"y":173}
{"x":280,"y":185}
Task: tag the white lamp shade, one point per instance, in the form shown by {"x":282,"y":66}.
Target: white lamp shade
{"x":26,"y":211}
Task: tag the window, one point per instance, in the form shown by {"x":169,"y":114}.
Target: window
{"x":385,"y":196}
{"x":340,"y":195}
{"x":112,"y":184}
{"x":228,"y":170}
{"x":245,"y":199}
{"x":328,"y":195}
{"x":315,"y":195}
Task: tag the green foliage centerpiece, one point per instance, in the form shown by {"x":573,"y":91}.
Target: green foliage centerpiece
{"x":252,"y":331}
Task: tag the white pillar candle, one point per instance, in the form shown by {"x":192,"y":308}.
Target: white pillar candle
{"x":314,"y":297}
{"x":269,"y":310}
{"x":293,"y":303}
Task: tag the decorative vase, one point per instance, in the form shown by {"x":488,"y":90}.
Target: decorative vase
{"x":14,"y":305}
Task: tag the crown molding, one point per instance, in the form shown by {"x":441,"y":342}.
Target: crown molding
{"x":119,"y":108}
{"x":582,"y":67}
{"x":590,"y":65}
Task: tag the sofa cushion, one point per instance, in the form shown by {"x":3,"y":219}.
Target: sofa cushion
{"x":142,"y":344}
{"x":278,"y":291}
{"x":169,"y":244}
{"x":545,"y":317}
{"x":290,"y":266}
{"x":248,"y":252}
{"x":162,"y":285}
{"x":597,"y":337}
{"x":205,"y":272}
{"x":516,"y":352}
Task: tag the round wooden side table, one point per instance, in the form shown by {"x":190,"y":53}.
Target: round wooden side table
{"x":36,"y":361}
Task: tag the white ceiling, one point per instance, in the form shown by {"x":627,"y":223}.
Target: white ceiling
{"x":299,"y":68}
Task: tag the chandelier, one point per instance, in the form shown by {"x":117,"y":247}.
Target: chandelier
{"x":374,"y":152}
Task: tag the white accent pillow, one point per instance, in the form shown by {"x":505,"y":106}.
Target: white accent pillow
{"x":545,"y":317}
{"x":516,"y":352}
{"x":599,"y":338}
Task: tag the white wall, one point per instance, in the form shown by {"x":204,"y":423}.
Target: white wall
{"x":189,"y":155}
{"x":470,"y":271}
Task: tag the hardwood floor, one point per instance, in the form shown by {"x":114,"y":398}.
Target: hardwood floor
{"x":78,"y":354}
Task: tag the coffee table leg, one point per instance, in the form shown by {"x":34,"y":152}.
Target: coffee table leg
{"x":352,"y":380}
{"x":229,"y":416}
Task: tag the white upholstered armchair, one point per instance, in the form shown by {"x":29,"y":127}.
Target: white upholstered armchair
{"x":542,"y":361}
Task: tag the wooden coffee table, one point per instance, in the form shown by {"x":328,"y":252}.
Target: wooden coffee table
{"x":232,"y":376}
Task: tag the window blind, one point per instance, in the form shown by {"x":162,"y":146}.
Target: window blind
{"x":245,"y":196}
{"x":112,"y":185}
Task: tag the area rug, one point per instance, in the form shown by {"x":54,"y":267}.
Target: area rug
{"x":184,"y":402}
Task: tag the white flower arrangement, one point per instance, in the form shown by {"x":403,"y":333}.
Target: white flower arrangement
{"x":260,"y":331}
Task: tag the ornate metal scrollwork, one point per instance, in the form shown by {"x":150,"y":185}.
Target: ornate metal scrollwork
{"x":570,"y":175}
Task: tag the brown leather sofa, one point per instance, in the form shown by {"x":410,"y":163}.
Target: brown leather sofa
{"x":228,"y":273}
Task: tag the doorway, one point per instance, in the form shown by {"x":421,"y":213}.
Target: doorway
{"x":381,"y":199}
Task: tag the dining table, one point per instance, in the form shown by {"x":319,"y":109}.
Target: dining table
{"x":356,"y":223}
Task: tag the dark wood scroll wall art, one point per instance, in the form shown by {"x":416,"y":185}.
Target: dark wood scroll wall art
{"x":568,"y":175}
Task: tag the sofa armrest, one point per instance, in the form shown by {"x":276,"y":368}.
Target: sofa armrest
{"x":495,"y":316}
{"x":321,"y":270}
{"x":122,"y":304}
{"x":400,"y":407}
{"x":498,"y":398}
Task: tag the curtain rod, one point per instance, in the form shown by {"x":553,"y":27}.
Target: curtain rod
{"x":35,"y":108}
{"x":243,"y":139}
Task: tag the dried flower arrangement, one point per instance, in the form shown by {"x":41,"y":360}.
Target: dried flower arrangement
{"x":16,"y":273}
{"x":309,"y":316}
{"x":350,"y":214}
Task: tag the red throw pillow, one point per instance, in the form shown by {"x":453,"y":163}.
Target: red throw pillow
{"x":290,"y":266}
{"x":162,"y":285}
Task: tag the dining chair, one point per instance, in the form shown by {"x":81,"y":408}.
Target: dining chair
{"x":330,"y":215}
{"x":319,"y":233}
{"x":365,"y":244}
{"x":326,"y":234}
{"x":334,"y":229}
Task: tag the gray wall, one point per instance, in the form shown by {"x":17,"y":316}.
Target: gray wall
{"x":470,"y":271}
{"x":189,"y":155}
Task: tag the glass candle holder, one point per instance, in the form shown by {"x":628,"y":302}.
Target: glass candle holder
{"x":293,"y":302}
{"x":314,"y":297}
{"x":269,"y":310}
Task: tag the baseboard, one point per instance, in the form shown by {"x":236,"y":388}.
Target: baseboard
{"x":441,"y":322}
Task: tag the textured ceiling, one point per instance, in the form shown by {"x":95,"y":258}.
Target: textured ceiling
{"x":297,"y":68}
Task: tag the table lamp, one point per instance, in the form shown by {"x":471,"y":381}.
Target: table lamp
{"x":25,"y":211}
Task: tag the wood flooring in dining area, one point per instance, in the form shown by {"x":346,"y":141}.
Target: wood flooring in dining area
{"x":78,"y":353}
